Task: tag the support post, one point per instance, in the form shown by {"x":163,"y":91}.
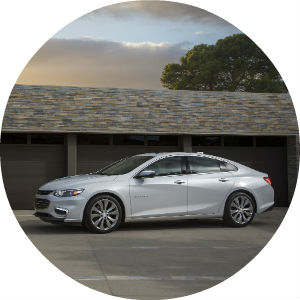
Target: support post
{"x":71,"y":144}
{"x":187,"y":143}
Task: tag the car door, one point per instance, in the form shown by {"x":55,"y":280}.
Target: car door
{"x":208,"y":187}
{"x":164,"y":194}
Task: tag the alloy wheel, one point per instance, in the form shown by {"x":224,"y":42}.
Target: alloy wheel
{"x":104,"y":214}
{"x":241,"y":209}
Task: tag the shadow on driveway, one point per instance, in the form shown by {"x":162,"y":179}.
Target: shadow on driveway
{"x":32,"y":227}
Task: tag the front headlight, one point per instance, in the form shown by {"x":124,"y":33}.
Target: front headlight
{"x":67,"y":193}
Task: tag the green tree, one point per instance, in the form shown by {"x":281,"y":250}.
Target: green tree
{"x":232,"y":64}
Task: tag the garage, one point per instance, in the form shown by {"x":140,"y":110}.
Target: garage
{"x":51,"y":132}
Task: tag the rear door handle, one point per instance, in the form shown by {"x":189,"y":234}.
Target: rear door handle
{"x":179,"y":181}
{"x":223,"y":179}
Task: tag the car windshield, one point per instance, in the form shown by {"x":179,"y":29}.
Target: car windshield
{"x":125,"y":165}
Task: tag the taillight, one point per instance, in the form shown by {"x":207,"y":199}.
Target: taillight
{"x":268,"y":180}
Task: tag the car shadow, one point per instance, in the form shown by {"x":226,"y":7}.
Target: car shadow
{"x":176,"y":224}
{"x":36,"y":227}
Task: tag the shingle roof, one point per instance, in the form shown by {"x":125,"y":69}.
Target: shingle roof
{"x":111,"y":110}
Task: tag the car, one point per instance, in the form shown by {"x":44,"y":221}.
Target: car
{"x":157,"y":186}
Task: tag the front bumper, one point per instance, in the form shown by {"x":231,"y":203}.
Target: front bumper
{"x":48,"y":218}
{"x":65,"y":209}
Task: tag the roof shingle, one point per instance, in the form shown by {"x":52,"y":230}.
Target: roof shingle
{"x":111,"y":110}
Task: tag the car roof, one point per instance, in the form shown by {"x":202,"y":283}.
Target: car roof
{"x":164,"y":154}
{"x":202,"y":154}
{"x":170,"y":153}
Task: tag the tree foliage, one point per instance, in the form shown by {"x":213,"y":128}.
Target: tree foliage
{"x":235,"y":63}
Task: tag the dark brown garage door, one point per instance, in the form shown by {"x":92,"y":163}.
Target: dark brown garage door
{"x":26,"y":167}
{"x":271,"y":160}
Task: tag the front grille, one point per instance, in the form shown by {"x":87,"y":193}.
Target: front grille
{"x":41,"y":203}
{"x":43,"y":192}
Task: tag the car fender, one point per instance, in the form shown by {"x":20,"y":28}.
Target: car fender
{"x":119,"y":191}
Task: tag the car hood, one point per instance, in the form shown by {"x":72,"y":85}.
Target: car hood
{"x":77,"y":181}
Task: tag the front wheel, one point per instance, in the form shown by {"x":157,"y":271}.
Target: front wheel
{"x":239,"y":210}
{"x":103,"y":214}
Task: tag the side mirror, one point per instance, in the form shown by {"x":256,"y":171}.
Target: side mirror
{"x":145,"y":174}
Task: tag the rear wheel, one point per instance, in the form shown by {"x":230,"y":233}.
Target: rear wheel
{"x":103,"y":214}
{"x":239,"y":210}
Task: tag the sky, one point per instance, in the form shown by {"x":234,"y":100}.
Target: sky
{"x":123,"y":45}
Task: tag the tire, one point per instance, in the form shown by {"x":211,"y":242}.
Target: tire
{"x":239,"y":210}
{"x":102,"y":214}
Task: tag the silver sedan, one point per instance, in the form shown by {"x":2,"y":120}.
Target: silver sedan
{"x":160,"y":186}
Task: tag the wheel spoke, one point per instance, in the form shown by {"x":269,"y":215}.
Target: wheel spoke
{"x":95,"y":209}
{"x":111,"y":219}
{"x":95,"y":216}
{"x":243,"y":219}
{"x":236,"y":202}
{"x":248,"y":213}
{"x":247,"y":203}
{"x":109,"y":225}
{"x":248,"y":208}
{"x":235,"y":217}
{"x":233,"y":205}
{"x":112,"y":207}
{"x":102,"y":224}
{"x":105,"y":202}
{"x":98,"y":221}
{"x":101,"y":205}
{"x":243,"y":200}
{"x":234,"y":211}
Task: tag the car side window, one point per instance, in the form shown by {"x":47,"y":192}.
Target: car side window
{"x":166,"y":166}
{"x":227,"y":167}
{"x":203,"y":165}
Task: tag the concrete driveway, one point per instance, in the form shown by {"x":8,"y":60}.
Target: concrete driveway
{"x":151,"y":260}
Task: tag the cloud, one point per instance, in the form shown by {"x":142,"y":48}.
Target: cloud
{"x":100,"y":63}
{"x":199,"y":32}
{"x":149,"y":45}
{"x":164,"y":10}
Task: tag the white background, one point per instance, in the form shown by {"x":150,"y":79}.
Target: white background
{"x":26,"y":25}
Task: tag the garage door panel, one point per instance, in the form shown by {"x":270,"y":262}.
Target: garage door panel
{"x":26,"y":168}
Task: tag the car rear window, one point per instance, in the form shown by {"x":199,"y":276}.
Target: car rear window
{"x":203,"y":165}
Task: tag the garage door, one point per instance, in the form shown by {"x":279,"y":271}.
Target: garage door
{"x":271,"y":160}
{"x":26,"y":167}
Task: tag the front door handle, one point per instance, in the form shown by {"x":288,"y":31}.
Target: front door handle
{"x":179,"y":181}
{"x":223,"y":179}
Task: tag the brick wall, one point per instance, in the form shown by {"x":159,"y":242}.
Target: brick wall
{"x":292,"y":164}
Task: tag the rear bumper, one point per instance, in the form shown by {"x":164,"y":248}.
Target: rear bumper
{"x":270,"y":208}
{"x":264,"y":196}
